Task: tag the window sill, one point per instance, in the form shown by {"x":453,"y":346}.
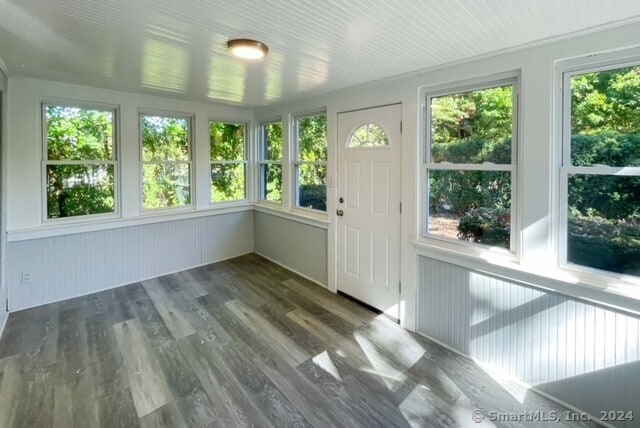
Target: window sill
{"x":67,"y":228}
{"x":318,"y":221}
{"x":621,"y":295}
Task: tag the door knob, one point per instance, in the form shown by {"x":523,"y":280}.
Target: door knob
{"x":340,"y":213}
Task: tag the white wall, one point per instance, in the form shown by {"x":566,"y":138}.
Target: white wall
{"x":3,"y":202}
{"x":537,"y":172}
{"x":438,"y":303}
{"x":299,"y":246}
{"x":400,"y":90}
{"x":24,"y":150}
{"x":579,"y":352}
{"x":72,"y":265}
{"x":74,"y":257}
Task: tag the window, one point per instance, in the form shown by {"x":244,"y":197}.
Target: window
{"x":79,"y":160}
{"x":228,"y":161}
{"x":271,"y":162}
{"x":369,"y":135}
{"x":311,"y":161}
{"x":166,"y":161}
{"x":600,"y":173}
{"x":471,"y":168}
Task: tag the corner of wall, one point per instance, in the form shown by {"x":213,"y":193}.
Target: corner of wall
{"x":4,"y":314}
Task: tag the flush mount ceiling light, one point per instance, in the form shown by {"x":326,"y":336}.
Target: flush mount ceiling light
{"x":247,"y":48}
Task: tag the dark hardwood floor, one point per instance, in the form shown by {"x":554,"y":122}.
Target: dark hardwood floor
{"x":238,"y":343}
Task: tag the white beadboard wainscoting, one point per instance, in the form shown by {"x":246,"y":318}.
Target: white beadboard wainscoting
{"x":580,"y":353}
{"x":66,"y":266}
{"x":295,"y":245}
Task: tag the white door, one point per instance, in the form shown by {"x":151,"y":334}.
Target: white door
{"x":368,"y":206}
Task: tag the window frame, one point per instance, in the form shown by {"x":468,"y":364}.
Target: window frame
{"x":426,"y":165}
{"x":264,"y":162}
{"x":115,"y":161}
{"x":296,"y":162}
{"x":245,"y":161}
{"x":565,"y":168}
{"x":190,"y":147}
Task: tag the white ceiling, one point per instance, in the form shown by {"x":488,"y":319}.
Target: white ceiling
{"x":177,"y":48}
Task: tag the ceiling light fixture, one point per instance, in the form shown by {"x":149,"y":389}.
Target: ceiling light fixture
{"x":247,"y":48}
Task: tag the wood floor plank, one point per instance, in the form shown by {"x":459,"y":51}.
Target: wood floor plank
{"x":345,"y":309}
{"x":74,"y":384}
{"x":222,"y":388}
{"x":112,"y":397}
{"x":330,"y":337}
{"x":172,"y":316}
{"x":148,"y":386}
{"x":9,"y":386}
{"x":283,"y":345}
{"x":166,"y":416}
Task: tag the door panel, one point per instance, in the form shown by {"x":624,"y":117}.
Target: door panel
{"x":369,"y":229}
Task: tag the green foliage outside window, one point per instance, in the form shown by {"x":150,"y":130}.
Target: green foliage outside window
{"x":272,"y":152}
{"x":312,"y":147}
{"x":80,"y":158}
{"x":228,"y":168}
{"x":472,"y":128}
{"x":166,"y":174}
{"x":604,"y":210}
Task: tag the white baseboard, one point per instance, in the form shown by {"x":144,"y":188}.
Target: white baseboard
{"x":517,"y":381}
{"x":292,"y":270}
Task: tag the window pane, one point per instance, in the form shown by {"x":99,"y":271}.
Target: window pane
{"x":166,"y":186}
{"x":79,"y":134}
{"x":227,"y":182}
{"x":312,"y":192}
{"x":74,"y":190}
{"x":369,"y":135}
{"x":272,"y":138}
{"x":473,"y":127}
{"x":165,"y":139}
{"x":605,"y":118}
{"x":272,"y":182}
{"x":226,"y":141}
{"x":604,"y":222}
{"x":312,"y":138}
{"x":473,"y":206}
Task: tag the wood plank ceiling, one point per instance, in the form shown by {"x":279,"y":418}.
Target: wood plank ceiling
{"x":177,"y":48}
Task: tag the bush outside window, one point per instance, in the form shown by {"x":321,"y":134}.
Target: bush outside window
{"x":271,"y":162}
{"x":600,"y":174}
{"x":80,"y":161}
{"x":166,"y":161}
{"x":471,"y":165}
{"x":228,"y":161}
{"x":311,"y":162}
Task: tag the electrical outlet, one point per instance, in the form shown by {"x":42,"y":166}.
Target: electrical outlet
{"x":25,"y":278}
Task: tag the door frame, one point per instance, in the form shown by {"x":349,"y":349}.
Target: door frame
{"x":332,"y":195}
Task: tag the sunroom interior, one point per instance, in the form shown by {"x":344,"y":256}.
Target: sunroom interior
{"x":404,"y":214}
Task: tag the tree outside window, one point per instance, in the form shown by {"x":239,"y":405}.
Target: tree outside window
{"x":311,"y":162}
{"x":271,"y":162}
{"x":470,"y":165}
{"x":228,"y":162}
{"x":166,"y":161}
{"x":601,"y":170}
{"x":80,"y":161}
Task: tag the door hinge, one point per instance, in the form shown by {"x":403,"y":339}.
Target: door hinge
{"x":399,"y":287}
{"x":401,"y":127}
{"x":400,"y":207}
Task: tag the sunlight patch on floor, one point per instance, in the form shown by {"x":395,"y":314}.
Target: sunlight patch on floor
{"x":392,"y":377}
{"x":324,"y":361}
